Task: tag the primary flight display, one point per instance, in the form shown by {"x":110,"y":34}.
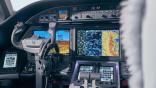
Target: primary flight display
{"x":63,"y":41}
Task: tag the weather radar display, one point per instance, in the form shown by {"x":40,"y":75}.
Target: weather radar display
{"x":98,"y":42}
{"x":110,"y":43}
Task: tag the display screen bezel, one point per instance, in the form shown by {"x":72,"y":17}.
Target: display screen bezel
{"x":98,"y":57}
{"x":67,"y":14}
{"x":64,"y":29}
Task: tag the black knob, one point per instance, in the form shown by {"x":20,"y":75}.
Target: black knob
{"x":113,"y":15}
{"x":78,"y":81}
{"x":46,"y":17}
{"x":88,"y":16}
{"x":76,"y":17}
{"x":104,"y":16}
{"x":81,"y":86}
{"x":41,"y":17}
{"x":54,"y":17}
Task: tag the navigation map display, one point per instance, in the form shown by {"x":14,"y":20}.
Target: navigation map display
{"x":98,"y":42}
{"x":63,"y":41}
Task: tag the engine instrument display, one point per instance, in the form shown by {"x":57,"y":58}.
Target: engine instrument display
{"x":10,"y":61}
{"x":98,"y":42}
{"x":63,"y":41}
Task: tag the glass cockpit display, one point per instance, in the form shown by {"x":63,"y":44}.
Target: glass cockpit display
{"x":63,"y":14}
{"x":107,"y":74}
{"x":10,"y":61}
{"x":42,"y":34}
{"x":63,"y":41}
{"x":86,"y":69}
{"x":98,"y":42}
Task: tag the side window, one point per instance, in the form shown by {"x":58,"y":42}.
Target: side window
{"x":2,"y":16}
{"x":4,"y":13}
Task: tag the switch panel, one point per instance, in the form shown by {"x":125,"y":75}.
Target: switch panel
{"x":100,"y":14}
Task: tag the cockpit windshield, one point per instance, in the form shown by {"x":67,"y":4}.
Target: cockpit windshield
{"x":19,"y":4}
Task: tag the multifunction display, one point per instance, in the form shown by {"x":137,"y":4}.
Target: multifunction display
{"x":98,"y":42}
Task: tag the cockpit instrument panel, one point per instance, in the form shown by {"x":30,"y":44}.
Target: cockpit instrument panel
{"x":47,"y":18}
{"x":72,"y":41}
{"x":77,"y":13}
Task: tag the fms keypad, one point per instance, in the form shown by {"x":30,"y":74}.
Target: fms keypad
{"x":107,"y":74}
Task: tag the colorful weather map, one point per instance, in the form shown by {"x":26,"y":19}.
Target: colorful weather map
{"x":98,"y":42}
{"x":110,"y":43}
{"x":62,"y":38}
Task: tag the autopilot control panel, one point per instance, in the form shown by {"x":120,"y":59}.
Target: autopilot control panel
{"x":76,"y":13}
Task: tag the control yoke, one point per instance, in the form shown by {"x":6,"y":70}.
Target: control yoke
{"x":17,"y":31}
{"x":32,"y":44}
